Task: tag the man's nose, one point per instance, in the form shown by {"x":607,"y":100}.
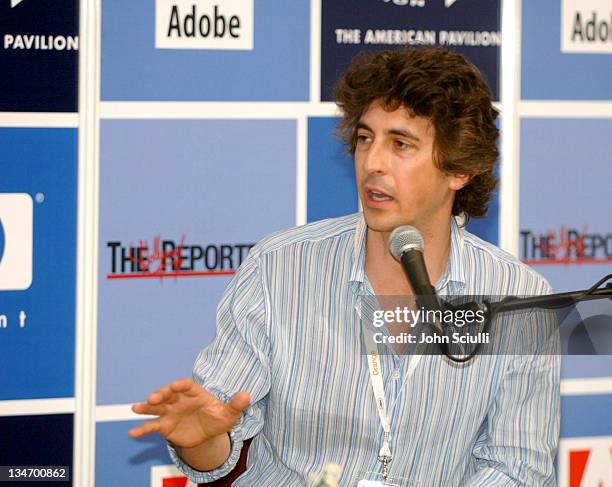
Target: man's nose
{"x":376,"y":159}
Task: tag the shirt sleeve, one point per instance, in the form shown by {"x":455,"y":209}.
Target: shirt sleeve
{"x":237,"y":360}
{"x":519,"y":440}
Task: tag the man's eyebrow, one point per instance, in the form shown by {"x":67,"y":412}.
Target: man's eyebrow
{"x":404,"y":133}
{"x":401,"y":132}
{"x":365,"y":126}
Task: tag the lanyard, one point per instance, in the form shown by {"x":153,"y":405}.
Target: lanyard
{"x":378,"y":387}
{"x":384,"y":455}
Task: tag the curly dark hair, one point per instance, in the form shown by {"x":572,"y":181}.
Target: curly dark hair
{"x":442,"y":86}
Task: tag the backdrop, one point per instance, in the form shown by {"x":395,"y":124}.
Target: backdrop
{"x":216,"y":129}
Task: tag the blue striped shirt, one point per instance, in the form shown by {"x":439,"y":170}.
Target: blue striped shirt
{"x":288,"y":332}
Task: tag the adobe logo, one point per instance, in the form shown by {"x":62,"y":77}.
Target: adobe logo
{"x":16,"y":232}
{"x":585,"y":462}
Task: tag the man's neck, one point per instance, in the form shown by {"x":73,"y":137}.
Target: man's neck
{"x":387,"y":275}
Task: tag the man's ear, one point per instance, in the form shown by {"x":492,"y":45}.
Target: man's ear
{"x":458,"y":181}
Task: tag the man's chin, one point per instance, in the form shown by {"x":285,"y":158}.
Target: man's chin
{"x":382,"y":223}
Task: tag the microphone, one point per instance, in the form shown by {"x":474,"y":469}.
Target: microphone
{"x":406,"y":245}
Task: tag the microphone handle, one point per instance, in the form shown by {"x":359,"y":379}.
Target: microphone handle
{"x":414,"y":267}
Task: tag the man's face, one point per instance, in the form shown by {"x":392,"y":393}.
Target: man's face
{"x":398,"y":181}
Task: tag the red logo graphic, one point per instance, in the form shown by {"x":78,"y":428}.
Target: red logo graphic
{"x":175,"y":482}
{"x":168,"y":258}
{"x":566,"y":246}
{"x":585,"y":462}
{"x":169,"y":476}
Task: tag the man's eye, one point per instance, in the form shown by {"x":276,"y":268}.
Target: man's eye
{"x":361,"y":138}
{"x":400,"y":144}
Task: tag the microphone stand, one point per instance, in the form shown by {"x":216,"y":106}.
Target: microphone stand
{"x":553,"y":301}
{"x":513,"y":303}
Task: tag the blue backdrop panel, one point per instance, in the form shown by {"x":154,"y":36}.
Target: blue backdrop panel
{"x":586,"y":415}
{"x":39,"y":56}
{"x":331,"y":180}
{"x":42,"y":440}
{"x":549,"y":74}
{"x":214,"y":186}
{"x":565,"y":186}
{"x":276,"y":69}
{"x":121,"y":460}
{"x":41,"y":354}
{"x":580,"y":367}
{"x":555,"y":201}
{"x":331,"y":172}
{"x":460,"y":19}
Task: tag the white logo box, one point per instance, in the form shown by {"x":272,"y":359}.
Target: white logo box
{"x":16,"y":218}
{"x":586,"y":26}
{"x":204,"y":24}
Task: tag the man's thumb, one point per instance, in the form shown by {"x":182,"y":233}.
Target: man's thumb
{"x":239,"y":402}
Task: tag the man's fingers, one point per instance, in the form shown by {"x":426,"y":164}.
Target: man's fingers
{"x":146,"y":428}
{"x":191,"y":389}
{"x":145,"y":408}
{"x":239,"y":403}
{"x":182,"y":385}
{"x":159,"y":396}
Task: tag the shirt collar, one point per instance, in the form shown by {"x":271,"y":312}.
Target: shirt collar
{"x":453,"y":276}
{"x":357,"y":277}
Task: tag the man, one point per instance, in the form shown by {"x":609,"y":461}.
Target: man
{"x":287,"y":368}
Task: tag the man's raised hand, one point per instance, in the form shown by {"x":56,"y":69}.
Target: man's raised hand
{"x":188,"y":415}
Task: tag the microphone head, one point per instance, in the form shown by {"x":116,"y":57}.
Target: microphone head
{"x":405,"y":238}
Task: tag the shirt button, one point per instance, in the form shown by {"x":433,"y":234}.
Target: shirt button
{"x":395,"y":374}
